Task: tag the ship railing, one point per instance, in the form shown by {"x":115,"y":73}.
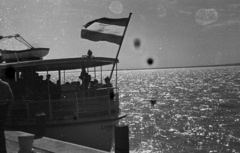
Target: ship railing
{"x":81,"y":104}
{"x":27,"y":109}
{"x":67,"y":108}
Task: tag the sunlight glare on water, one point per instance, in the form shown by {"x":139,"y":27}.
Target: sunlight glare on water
{"x":193,"y":113}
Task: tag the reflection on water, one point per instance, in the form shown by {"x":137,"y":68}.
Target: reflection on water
{"x":197,"y":109}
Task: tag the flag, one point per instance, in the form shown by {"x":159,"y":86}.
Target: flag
{"x":105,"y":29}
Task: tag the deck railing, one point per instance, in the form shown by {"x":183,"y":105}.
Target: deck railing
{"x":75,"y":107}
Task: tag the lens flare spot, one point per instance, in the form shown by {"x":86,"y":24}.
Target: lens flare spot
{"x":116,"y":7}
{"x":206,"y":16}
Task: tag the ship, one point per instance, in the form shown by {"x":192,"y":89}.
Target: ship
{"x":82,"y":112}
{"x":85,"y":111}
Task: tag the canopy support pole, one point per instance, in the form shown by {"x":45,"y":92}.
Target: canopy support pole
{"x":101,"y":74}
{"x":59,"y":76}
{"x":49,"y":99}
{"x":116,"y":75}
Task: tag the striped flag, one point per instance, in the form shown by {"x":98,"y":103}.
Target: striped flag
{"x":105,"y":29}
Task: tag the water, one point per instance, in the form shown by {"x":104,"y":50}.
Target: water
{"x":197,"y":109}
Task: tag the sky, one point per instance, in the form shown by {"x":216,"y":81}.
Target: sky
{"x":173,"y":33}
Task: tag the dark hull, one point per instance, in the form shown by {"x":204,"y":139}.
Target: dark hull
{"x":95,"y":134}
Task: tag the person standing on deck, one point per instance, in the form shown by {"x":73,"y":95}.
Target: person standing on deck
{"x":6,"y":97}
{"x":110,"y":89}
{"x":107,"y":82}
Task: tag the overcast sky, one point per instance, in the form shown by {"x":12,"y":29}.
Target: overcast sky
{"x":171,"y":32}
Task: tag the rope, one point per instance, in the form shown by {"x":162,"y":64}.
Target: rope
{"x":20,"y":39}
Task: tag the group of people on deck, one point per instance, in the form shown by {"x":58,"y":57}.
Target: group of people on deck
{"x":84,"y":88}
{"x":33,"y":86}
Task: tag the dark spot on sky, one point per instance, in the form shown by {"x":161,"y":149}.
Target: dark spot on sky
{"x":137,"y":43}
{"x":10,"y":72}
{"x":150,"y":61}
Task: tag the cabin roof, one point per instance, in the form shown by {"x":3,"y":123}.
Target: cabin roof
{"x":60,"y":64}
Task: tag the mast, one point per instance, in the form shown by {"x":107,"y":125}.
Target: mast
{"x":119,"y":48}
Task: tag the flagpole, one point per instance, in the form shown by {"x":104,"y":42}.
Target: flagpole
{"x":120,"y":45}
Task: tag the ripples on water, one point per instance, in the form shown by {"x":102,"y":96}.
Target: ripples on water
{"x":197,"y":109}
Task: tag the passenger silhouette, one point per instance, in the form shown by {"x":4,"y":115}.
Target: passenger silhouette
{"x":109,"y":85}
{"x":89,"y":53}
{"x":6,"y":97}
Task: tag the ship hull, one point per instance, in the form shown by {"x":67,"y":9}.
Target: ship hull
{"x":98,"y":135}
{"x":94,"y":134}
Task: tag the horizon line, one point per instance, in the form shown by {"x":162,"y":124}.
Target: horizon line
{"x":176,"y":67}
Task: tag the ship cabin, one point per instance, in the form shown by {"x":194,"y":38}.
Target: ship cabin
{"x":88,"y":97}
